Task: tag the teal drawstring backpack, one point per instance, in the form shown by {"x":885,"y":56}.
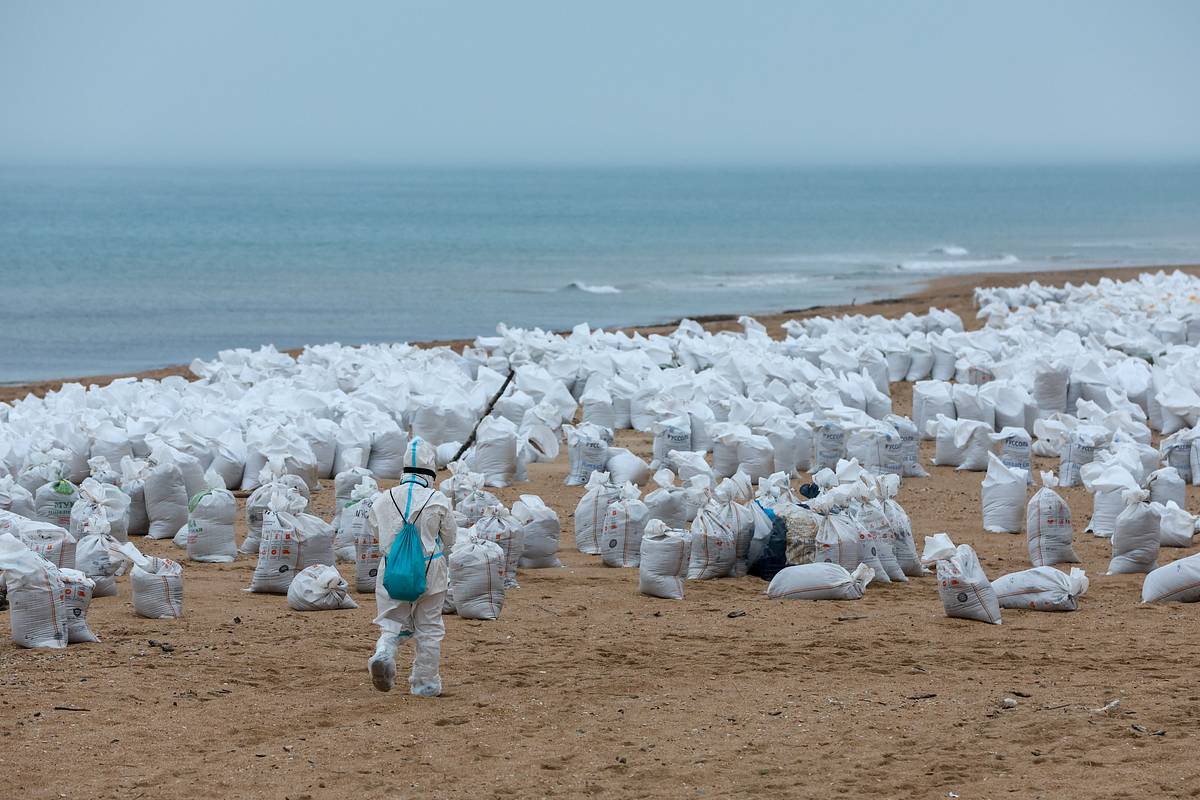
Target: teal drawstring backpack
{"x":406,"y":566}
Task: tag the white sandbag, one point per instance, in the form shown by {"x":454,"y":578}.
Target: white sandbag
{"x":51,"y":542}
{"x":1051,"y":382}
{"x":931,"y":399}
{"x":52,"y":502}
{"x":133,"y":484}
{"x":910,"y":446}
{"x":1052,"y":435}
{"x":498,"y":525}
{"x":1176,"y":526}
{"x":756,"y":456}
{"x":877,"y":448}
{"x":625,"y":467}
{"x":829,"y":444}
{"x":366,"y":547}
{"x":672,"y":433}
{"x":104,"y":499}
{"x":77,"y":596}
{"x":838,"y":539}
{"x":212,"y":515}
{"x":157,"y":583}
{"x":540,"y":531}
{"x":98,"y":556}
{"x":591,"y":512}
{"x":257,"y":503}
{"x":587,"y":452}
{"x":389,"y":444}
{"x":1002,"y":496}
{"x":442,"y":419}
{"x":1012,"y":404}
{"x":739,"y":519}
{"x":1049,"y":532}
{"x":663,"y":560}
{"x":963,"y":444}
{"x":904,"y":546}
{"x":157,"y":588}
{"x":353,"y":444}
{"x":963,"y":586}
{"x":101,"y":469}
{"x":689,"y":464}
{"x":1135,"y":540}
{"x":344,"y":484}
{"x":229,"y":458}
{"x":969,"y":403}
{"x":279,"y":545}
{"x":599,"y":407}
{"x":714,"y":546}
{"x":319,"y":588}
{"x":1041,"y":589}
{"x":444,"y":453}
{"x":285,"y":451}
{"x":1014,"y":447}
{"x":1166,"y":486}
{"x":166,"y":500}
{"x":110,"y":442}
{"x":460,"y":483}
{"x":39,"y":470}
{"x":624,"y":522}
{"x":316,"y":541}
{"x":824,"y":581}
{"x":15,"y":498}
{"x":782,"y":436}
{"x":1108,"y":484}
{"x":1176,"y":452}
{"x":496,"y":452}
{"x":36,"y":596}
{"x":476,"y":500}
{"x":1177,"y":582}
{"x":1079,"y":450}
{"x":476,"y":578}
{"x":920,"y":358}
{"x":667,"y":502}
{"x":352,"y":518}
{"x":871,"y":516}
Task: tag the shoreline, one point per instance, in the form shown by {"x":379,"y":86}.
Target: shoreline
{"x":955,"y":292}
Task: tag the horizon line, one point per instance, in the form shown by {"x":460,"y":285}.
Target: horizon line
{"x":582,"y":164}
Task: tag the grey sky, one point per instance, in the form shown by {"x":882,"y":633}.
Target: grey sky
{"x":561,"y":81}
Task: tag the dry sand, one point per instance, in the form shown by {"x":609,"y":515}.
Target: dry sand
{"x":586,"y":688}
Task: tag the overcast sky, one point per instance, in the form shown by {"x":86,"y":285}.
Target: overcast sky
{"x":609,"y":82}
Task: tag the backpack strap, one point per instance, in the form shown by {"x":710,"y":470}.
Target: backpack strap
{"x":401,"y":513}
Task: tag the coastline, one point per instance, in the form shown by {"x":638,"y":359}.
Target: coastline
{"x":953,"y":291}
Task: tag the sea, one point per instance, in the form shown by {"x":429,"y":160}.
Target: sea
{"x":110,"y":269}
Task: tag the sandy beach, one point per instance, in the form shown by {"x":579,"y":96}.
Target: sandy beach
{"x":585,"y":688}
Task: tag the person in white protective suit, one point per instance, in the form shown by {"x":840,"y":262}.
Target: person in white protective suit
{"x":414,"y":499}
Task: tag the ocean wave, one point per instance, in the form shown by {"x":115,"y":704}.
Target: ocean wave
{"x":959,"y":265}
{"x":592,"y":288}
{"x":949,"y":250}
{"x":709,"y":282}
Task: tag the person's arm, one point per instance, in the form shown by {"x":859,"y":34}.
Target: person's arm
{"x":373,"y":519}
{"x":449,"y":529}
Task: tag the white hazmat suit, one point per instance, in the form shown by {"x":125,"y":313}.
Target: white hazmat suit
{"x":428,"y":509}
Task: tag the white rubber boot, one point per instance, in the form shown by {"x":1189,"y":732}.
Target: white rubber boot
{"x":382,"y":665}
